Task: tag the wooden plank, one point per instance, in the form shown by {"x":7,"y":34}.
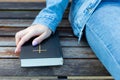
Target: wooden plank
{"x":73,"y":42}
{"x":65,"y":42}
{"x":6,"y":6}
{"x":90,"y":78}
{"x":22,"y":14}
{"x":68,"y":53}
{"x":9,"y":31}
{"x":12,"y":32}
{"x":8,"y":52}
{"x":18,"y":14}
{"x":71,"y":67}
{"x":36,"y":6}
{"x":15,"y":23}
{"x":7,"y":41}
{"x":23,"y":23}
{"x":28,"y":78}
{"x":80,"y":52}
{"x":22,"y":0}
{"x":6,"y":31}
{"x":55,"y":78}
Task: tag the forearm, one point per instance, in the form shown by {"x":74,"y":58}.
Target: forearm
{"x":52,"y":14}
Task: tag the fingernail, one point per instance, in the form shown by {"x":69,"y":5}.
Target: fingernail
{"x":34,"y":43}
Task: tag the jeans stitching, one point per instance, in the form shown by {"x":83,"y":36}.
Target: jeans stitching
{"x":105,"y":47}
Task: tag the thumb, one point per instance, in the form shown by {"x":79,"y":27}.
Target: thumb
{"x":40,"y":38}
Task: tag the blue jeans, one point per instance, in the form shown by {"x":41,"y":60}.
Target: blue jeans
{"x":103,"y":35}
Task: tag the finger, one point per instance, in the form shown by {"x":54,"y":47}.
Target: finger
{"x":19,"y":35}
{"x":40,"y":38}
{"x":22,"y":41}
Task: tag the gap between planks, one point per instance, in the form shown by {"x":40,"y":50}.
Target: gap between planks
{"x":55,"y":78}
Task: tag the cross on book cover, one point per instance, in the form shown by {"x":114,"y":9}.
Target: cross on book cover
{"x":47,"y":53}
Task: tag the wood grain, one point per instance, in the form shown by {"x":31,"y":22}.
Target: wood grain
{"x":23,"y":23}
{"x":7,"y":6}
{"x":22,"y":0}
{"x":22,"y":14}
{"x":71,"y":67}
{"x":28,"y":78}
{"x":6,"y":31}
{"x":65,"y":42}
{"x":68,"y":53}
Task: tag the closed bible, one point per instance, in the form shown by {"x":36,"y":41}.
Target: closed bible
{"x":47,"y":53}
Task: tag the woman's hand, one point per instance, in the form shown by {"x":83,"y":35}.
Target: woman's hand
{"x":23,"y":36}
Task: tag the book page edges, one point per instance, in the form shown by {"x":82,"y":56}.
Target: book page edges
{"x":41,"y":62}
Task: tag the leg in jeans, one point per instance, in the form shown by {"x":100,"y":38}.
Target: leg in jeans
{"x":103,"y":35}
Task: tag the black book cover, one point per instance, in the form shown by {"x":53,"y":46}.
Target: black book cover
{"x":47,"y":53}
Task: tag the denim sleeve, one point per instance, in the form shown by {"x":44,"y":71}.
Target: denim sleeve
{"x":52,"y":14}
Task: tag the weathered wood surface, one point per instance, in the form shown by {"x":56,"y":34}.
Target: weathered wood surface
{"x":21,"y":6}
{"x":12,"y":31}
{"x":71,"y":67}
{"x":79,"y":59}
{"x":22,"y":10}
{"x":7,"y":6}
{"x":29,"y":78}
{"x":23,"y":23}
{"x":22,"y":0}
{"x":22,"y":14}
{"x":73,"y":53}
{"x":56,"y":78}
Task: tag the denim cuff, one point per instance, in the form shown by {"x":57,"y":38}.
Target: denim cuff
{"x":49,"y":22}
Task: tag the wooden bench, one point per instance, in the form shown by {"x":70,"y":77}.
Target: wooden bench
{"x":79,"y":60}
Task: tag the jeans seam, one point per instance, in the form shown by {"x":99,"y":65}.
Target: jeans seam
{"x":105,"y":47}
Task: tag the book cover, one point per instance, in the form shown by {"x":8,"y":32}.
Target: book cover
{"x":47,"y":53}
